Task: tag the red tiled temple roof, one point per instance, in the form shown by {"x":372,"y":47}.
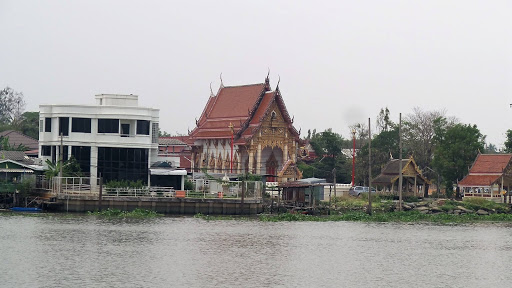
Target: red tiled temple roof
{"x":479,"y":180}
{"x":242,"y":106}
{"x":486,"y":169}
{"x":231,"y":105}
{"x":490,"y":163}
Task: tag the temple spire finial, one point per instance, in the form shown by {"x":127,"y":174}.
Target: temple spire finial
{"x":211,"y":91}
{"x":278,"y":81}
{"x":221,"y":83}
{"x":267,"y":80}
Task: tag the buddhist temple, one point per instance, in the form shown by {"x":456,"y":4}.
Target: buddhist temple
{"x":488,"y":177}
{"x":246,"y":130}
{"x":413,"y":179}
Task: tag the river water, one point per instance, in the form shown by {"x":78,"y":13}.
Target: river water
{"x":59,"y":250}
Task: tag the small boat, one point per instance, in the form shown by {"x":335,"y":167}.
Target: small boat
{"x":26,"y":209}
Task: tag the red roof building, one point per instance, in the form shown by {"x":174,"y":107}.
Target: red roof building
{"x":256,"y":119}
{"x":489,"y":174}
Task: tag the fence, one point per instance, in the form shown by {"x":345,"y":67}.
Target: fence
{"x":73,"y":185}
{"x":204,"y":189}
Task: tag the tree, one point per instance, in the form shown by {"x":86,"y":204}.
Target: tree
{"x":491,"y":149}
{"x":418,"y":134}
{"x":327,"y":146}
{"x":163,"y":133}
{"x":508,"y":142}
{"x":383,"y":121}
{"x":456,"y":148}
{"x":12,"y":106}
{"x":327,"y":143}
{"x":70,"y":168}
{"x":361,"y":133}
{"x":6,"y":146}
{"x":29,"y":124}
{"x":384,"y":147}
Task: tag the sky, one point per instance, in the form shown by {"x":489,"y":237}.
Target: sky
{"x":339,"y":62}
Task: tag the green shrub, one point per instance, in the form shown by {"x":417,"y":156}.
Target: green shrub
{"x":189,"y":185}
{"x":116,"y":213}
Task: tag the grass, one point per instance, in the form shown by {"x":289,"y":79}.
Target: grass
{"x":220,"y":217}
{"x":404,"y":216}
{"x":116,"y":213}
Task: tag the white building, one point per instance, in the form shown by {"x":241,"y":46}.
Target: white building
{"x":115,"y":138}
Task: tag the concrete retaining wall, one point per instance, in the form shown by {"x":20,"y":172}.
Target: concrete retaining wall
{"x":162,"y":205}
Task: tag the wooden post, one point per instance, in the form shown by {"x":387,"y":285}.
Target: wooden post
{"x":330,"y":189}
{"x":334,"y":181}
{"x":310,"y":196}
{"x":415,"y":185}
{"x":100,"y":199}
{"x":243,"y":197}
{"x":278,"y":198}
{"x":400,"y":179}
{"x":271,"y":200}
{"x":369,"y":168}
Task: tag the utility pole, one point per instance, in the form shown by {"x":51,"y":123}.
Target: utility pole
{"x":61,"y":149}
{"x":61,"y":162}
{"x":100,"y":197}
{"x":334,"y":181}
{"x":243,"y":196}
{"x":400,"y":164}
{"x":369,"y":168}
{"x":231,"y":127}
{"x":353,"y":156}
{"x":330,"y":189}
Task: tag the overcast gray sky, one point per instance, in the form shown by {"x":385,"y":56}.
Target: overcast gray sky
{"x":339,"y":61}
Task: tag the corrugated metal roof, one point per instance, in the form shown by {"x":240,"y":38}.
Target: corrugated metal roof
{"x":8,"y":170}
{"x":170,"y":141}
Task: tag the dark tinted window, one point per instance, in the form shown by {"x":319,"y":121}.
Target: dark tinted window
{"x":47,"y":124}
{"x":142,"y":127}
{"x":82,"y":154}
{"x":82,"y":125}
{"x":64,"y":126}
{"x":46,"y":150}
{"x":65,"y":153}
{"x":123,"y":164}
{"x":108,"y":125}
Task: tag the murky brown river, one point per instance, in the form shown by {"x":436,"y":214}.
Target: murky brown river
{"x":84,"y":251}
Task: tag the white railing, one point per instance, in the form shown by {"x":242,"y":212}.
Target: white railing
{"x":139,"y":192}
{"x":207,"y":189}
{"x":72,"y":185}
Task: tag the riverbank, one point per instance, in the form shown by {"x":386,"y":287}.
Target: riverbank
{"x":443,"y":211}
{"x":402,"y":216}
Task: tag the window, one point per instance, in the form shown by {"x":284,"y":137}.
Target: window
{"x":54,"y":154}
{"x":47,"y":124}
{"x":125,"y":130}
{"x":123,"y":164}
{"x":142,"y":127}
{"x":41,"y":127}
{"x":108,"y":125}
{"x":155,"y":133}
{"x":65,"y":153}
{"x":82,"y":125}
{"x":64,"y":126}
{"x":82,"y":154}
{"x":46,"y":150}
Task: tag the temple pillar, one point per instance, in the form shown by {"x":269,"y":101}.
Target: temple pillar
{"x":285,"y":152}
{"x":251,"y":156}
{"x":294,"y":154}
{"x":192,"y":161}
{"x":258,"y":162}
